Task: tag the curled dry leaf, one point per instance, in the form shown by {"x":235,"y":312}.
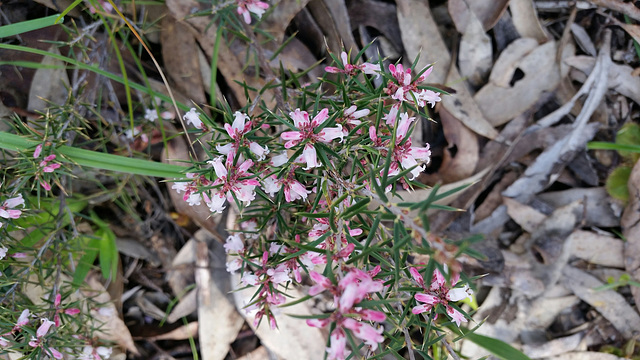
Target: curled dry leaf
{"x":526,"y":21}
{"x":487,"y":11}
{"x":586,"y":355}
{"x":554,"y":347}
{"x":621,"y":78}
{"x":596,"y":248}
{"x":527,"y":217}
{"x":461,"y":155}
{"x":279,"y":19}
{"x":521,"y":94}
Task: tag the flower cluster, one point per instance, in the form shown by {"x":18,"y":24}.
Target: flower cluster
{"x":354,"y":287}
{"x":46,"y":166}
{"x":352,"y":70}
{"x":404,"y":89}
{"x":294,"y":184}
{"x":439,"y":293}
{"x":307,"y":133}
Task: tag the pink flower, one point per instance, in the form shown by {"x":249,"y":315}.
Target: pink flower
{"x":364,"y":331}
{"x":337,"y":349}
{"x":245,"y":7}
{"x":232,"y":182}
{"x":44,"y":328}
{"x":22,"y":320}
{"x":306,"y":132}
{"x":37,"y":151}
{"x":45,"y":166}
{"x":352,"y":70}
{"x":7,"y":210}
{"x":440,"y":293}
{"x":455,"y":315}
{"x":236,"y":132}
{"x":406,"y":90}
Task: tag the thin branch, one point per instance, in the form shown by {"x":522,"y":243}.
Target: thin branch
{"x":616,"y":5}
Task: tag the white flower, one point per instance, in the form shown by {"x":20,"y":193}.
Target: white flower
{"x":151,"y":115}
{"x":234,"y":244}
{"x":193,"y":118}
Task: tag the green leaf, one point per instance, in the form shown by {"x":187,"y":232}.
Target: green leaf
{"x":616,"y":184}
{"x":96,"y":159}
{"x":597,"y":145}
{"x":86,"y":262}
{"x":498,"y":347}
{"x":629,"y":134}
{"x":108,"y":253}
{"x":29,"y":25}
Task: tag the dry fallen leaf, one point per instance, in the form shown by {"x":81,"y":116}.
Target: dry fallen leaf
{"x":180,"y":55}
{"x":526,"y":21}
{"x":188,"y":331}
{"x":109,"y":325}
{"x":527,"y":217}
{"x":420,"y":34}
{"x":476,"y":52}
{"x":613,"y":306}
{"x":487,"y":11}
{"x":460,"y":156}
{"x":49,"y":83}
{"x":218,"y":317}
{"x":525,"y":92}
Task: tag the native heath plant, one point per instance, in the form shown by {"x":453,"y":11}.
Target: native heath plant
{"x":314,"y":172}
{"x":313,"y":184}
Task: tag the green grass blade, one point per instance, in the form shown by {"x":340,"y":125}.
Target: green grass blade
{"x":29,"y":25}
{"x":597,"y":145}
{"x":96,"y":159}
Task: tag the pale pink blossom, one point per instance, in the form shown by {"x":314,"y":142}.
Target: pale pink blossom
{"x":306,"y":133}
{"x":370,"y":335}
{"x":245,"y":7}
{"x":337,"y":348}
{"x":23,"y":319}
{"x":404,"y":89}
{"x":8,"y":211}
{"x":352,"y":70}
{"x":439,"y":292}
{"x":234,"y":244}
{"x":234,"y":265}
{"x":236,"y":132}
{"x":37,"y":151}
{"x":280,"y":159}
{"x":231,"y":182}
